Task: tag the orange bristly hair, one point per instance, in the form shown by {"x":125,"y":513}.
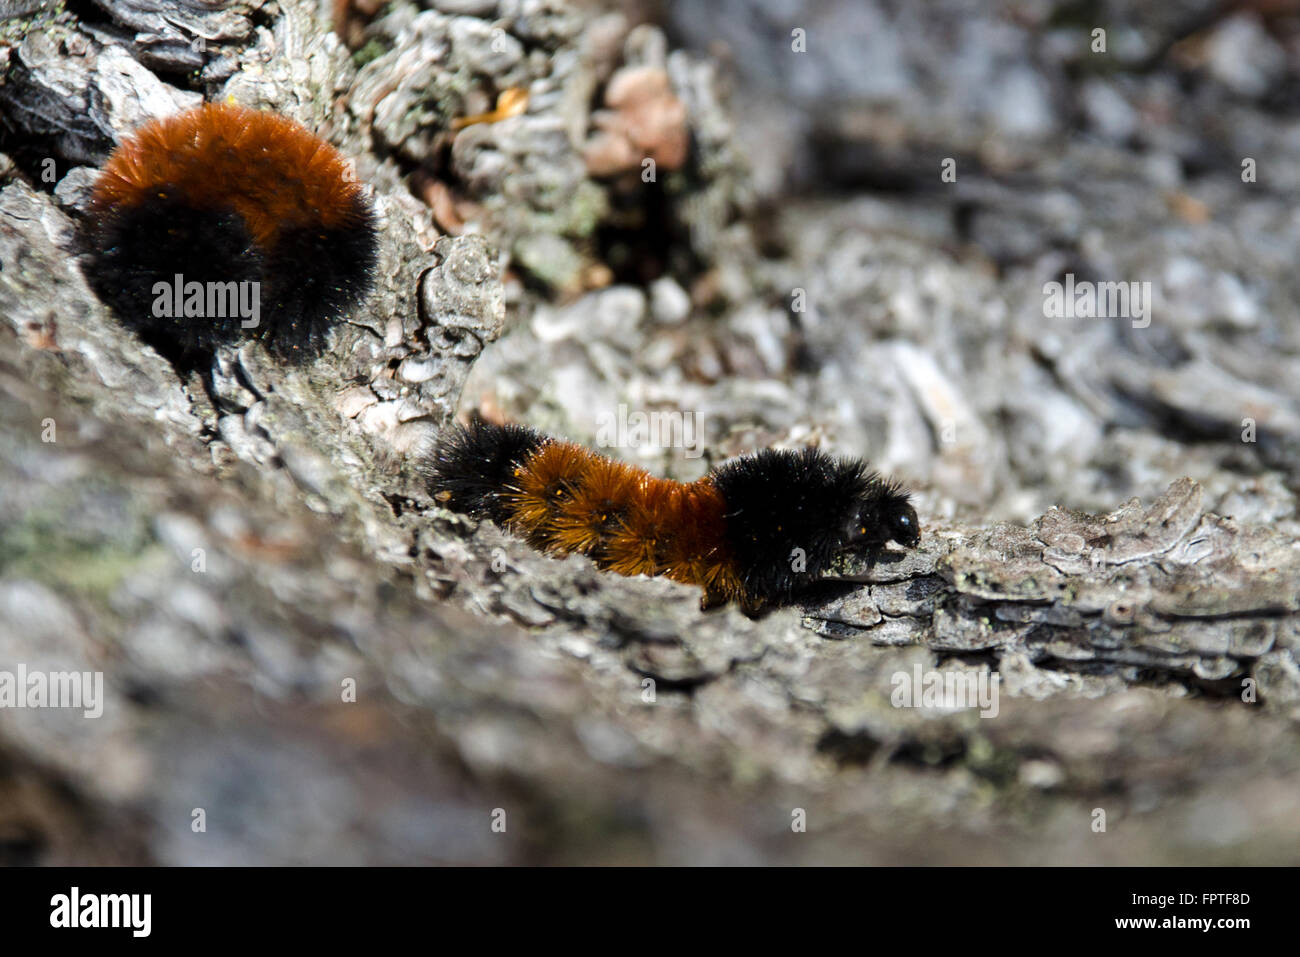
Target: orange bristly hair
{"x":565,"y":498}
{"x":225,"y":155}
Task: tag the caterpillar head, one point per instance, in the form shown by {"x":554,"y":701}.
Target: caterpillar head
{"x":883,"y":514}
{"x":789,"y":514}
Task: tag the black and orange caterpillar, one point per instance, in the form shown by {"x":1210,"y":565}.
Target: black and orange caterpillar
{"x":224,"y":194}
{"x":754,"y":530}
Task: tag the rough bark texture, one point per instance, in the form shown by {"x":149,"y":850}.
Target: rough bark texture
{"x":230,"y":548}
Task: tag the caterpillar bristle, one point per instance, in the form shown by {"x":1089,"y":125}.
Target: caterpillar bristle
{"x":473,"y":467}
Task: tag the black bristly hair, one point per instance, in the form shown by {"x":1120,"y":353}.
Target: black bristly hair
{"x":473,"y":466}
{"x":133,"y":247}
{"x":790,"y":513}
{"x":315,"y":274}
